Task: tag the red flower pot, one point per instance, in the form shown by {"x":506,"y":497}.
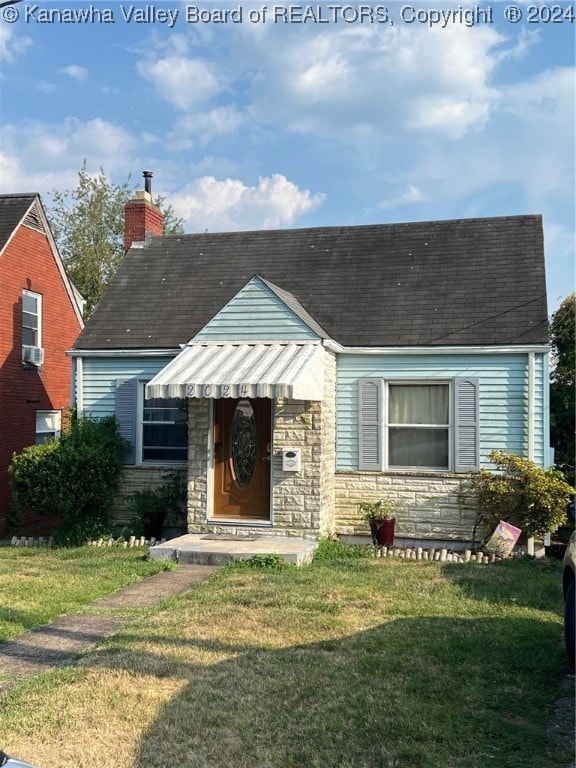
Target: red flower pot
{"x":383,"y":531}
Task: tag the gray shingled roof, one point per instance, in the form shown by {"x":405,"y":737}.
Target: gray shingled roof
{"x":293,"y":304}
{"x":468,"y":281}
{"x":12,"y":210}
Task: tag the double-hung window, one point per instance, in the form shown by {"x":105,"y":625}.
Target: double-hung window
{"x":48,"y":426}
{"x":429,"y":425}
{"x":31,"y":319}
{"x":164,"y":430}
{"x":418,"y":426}
{"x":156,"y":429}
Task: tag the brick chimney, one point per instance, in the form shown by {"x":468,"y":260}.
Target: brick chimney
{"x":141,"y":217}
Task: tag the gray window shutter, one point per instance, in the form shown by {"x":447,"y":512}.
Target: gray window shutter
{"x":466,"y":425}
{"x":126,"y":399}
{"x":370,"y":424}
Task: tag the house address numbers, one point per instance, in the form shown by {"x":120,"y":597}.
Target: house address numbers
{"x":217,"y":390}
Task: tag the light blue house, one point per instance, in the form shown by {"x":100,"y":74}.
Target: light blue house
{"x":323,"y":367}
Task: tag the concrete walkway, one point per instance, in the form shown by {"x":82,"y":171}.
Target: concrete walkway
{"x":57,"y":644}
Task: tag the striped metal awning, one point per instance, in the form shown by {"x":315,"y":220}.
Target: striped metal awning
{"x":235,"y":369}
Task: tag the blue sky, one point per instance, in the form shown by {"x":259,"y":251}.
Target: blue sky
{"x":272,"y":121}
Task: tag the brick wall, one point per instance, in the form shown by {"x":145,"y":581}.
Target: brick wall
{"x":28,"y":264}
{"x":141,"y":218}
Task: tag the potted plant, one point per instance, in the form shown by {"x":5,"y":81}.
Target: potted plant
{"x":380,"y":515}
{"x":150,"y":506}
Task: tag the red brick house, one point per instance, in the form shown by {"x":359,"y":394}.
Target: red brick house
{"x":40,"y":317}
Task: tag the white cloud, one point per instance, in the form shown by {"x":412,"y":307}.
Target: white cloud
{"x":547,"y":96}
{"x":17,"y":177}
{"x":181,"y":81}
{"x":526,"y":151}
{"x":11,"y":45}
{"x":347,"y":81}
{"x":540,"y":145}
{"x":411,"y":194}
{"x":204,"y":126}
{"x":150,"y":138}
{"x":354,"y":82}
{"x":38,"y":156}
{"x":45,"y":87}
{"x":231,"y":205}
{"x":211,"y":165}
{"x":351,"y":83}
{"x":75,"y":72}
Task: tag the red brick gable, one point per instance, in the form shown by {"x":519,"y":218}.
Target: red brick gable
{"x":28,"y":263}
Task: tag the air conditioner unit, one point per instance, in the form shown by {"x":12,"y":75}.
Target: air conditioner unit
{"x":34,"y":355}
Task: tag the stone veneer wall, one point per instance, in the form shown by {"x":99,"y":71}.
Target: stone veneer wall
{"x":198,"y":433}
{"x":296,"y":495}
{"x":303,"y":502}
{"x":328,"y":448}
{"x":430,"y":506}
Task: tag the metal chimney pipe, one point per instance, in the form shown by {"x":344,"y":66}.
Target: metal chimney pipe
{"x":147,"y":181}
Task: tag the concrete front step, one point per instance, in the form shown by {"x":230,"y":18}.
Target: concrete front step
{"x":221,"y":549}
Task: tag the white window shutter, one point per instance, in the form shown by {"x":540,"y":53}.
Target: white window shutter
{"x":126,"y":398}
{"x":370,"y":424}
{"x":466,"y":425}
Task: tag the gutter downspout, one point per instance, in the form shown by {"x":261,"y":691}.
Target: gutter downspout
{"x":79,"y":384}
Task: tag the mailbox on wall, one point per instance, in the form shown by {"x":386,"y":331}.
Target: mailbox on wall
{"x":291,"y":459}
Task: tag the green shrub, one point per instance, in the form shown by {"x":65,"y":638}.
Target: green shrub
{"x":76,"y":477}
{"x":521,"y":493}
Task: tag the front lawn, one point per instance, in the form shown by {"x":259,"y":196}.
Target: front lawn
{"x":36,"y":585}
{"x":349,"y":664}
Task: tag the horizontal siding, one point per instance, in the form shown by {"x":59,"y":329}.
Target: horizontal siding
{"x":503,"y":394}
{"x":100,"y":374}
{"x":503,"y":399}
{"x":255,"y":313}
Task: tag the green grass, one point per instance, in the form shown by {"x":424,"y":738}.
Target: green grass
{"x":348,"y":663}
{"x":37,"y":585}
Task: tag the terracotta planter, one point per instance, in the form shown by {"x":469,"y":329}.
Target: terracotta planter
{"x":383,"y":531}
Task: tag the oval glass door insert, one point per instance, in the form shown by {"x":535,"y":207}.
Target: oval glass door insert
{"x":243,"y":442}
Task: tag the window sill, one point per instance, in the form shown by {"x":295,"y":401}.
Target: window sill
{"x":155,"y":464}
{"x":403,"y":472}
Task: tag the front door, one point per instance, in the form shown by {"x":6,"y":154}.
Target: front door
{"x":242,"y":443}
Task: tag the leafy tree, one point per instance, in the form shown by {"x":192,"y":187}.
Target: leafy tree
{"x":562,"y":388}
{"x":88,"y":225}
